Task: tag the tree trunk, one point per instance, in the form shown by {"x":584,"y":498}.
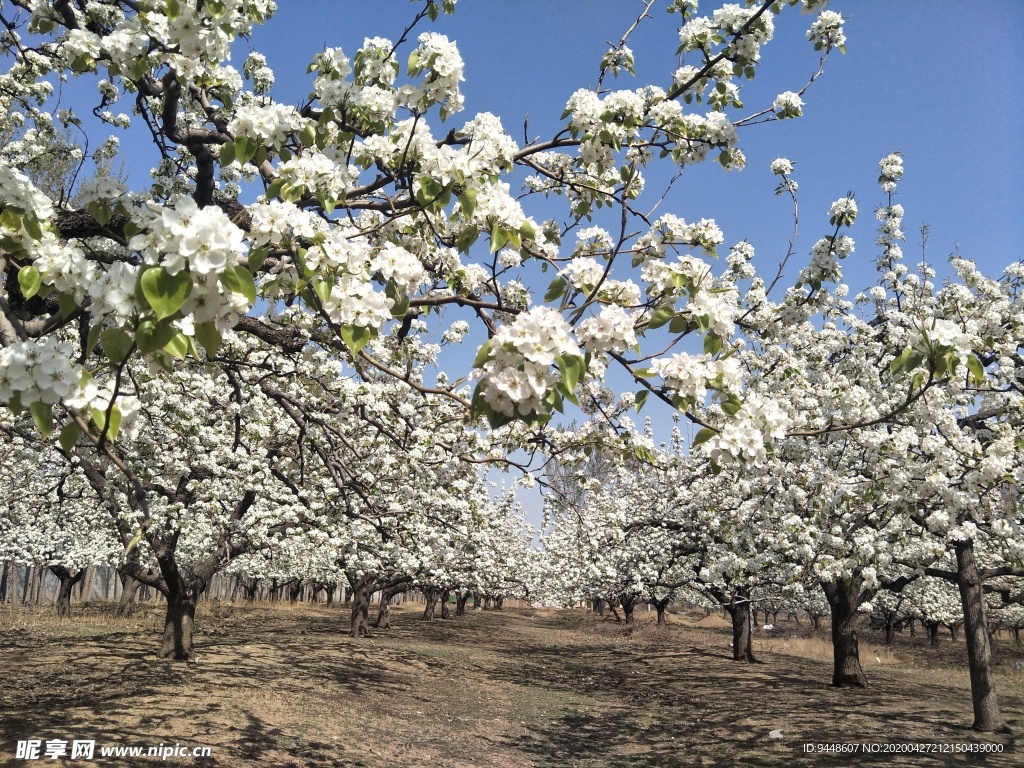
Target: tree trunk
{"x":890,"y":628}
{"x":742,"y":637}
{"x":383,"y":620}
{"x":129,"y":589}
{"x":660,"y":607}
{"x":933,"y":632}
{"x":179,"y":624}
{"x":460,"y":604}
{"x":627,"y":608}
{"x":844,"y":598}
{"x":499,"y":603}
{"x":67,"y":581}
{"x":362,"y":588}
{"x":430,"y":598}
{"x":979,"y":651}
{"x":294,"y":591}
{"x":446,"y":599}
{"x":87,"y":584}
{"x":954,"y":631}
{"x":8,"y":579}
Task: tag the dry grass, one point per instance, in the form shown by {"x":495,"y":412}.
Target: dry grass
{"x":283,"y":686}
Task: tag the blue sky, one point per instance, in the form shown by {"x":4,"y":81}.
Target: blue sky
{"x":913,"y":79}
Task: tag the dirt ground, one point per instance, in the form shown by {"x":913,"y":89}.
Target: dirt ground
{"x":283,"y":686}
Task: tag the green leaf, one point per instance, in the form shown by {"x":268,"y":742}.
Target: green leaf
{"x":29,"y":280}
{"x":467,"y":238}
{"x":69,"y":436}
{"x":238,"y":280}
{"x":133,"y":543}
{"x":256,"y":258}
{"x":208,"y":335}
{"x":166,"y":293}
{"x":151,"y":336}
{"x":101,"y":212}
{"x":703,"y":436}
{"x":468,"y":202}
{"x":556,"y":289}
{"x":67,"y":305}
{"x":640,"y":399}
{"x":662,"y":315}
{"x":227,"y":154}
{"x":399,"y":299}
{"x":177,"y":346}
{"x":498,"y":237}
{"x":245,"y":149}
{"x":117,"y":344}
{"x":274,"y":188}
{"x":900,"y":362}
{"x":99,"y":417}
{"x":322,"y":289}
{"x":712,"y":344}
{"x":307,"y":135}
{"x":93,"y":340}
{"x":732,"y":405}
{"x":356,"y":337}
{"x":572,"y":368}
{"x":977,"y":370}
{"x":31,"y":224}
{"x":42,"y":415}
{"x":679,"y":324}
{"x":483,"y":354}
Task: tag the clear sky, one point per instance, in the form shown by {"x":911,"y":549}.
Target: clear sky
{"x":938,"y":80}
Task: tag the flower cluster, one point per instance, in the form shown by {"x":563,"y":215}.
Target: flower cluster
{"x":38,"y":371}
{"x":203,"y":240}
{"x":517,"y":374}
{"x":827,"y":31}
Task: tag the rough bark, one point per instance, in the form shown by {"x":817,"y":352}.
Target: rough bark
{"x":179,"y":622}
{"x":499,"y":603}
{"x":430,"y":598}
{"x":742,"y":636}
{"x":7,"y":581}
{"x":660,"y":606}
{"x":987,"y":716}
{"x":628,"y":604}
{"x":129,"y":590}
{"x":460,"y":604}
{"x":362,"y":588}
{"x":67,"y":581}
{"x":844,"y":598}
{"x":446,"y":599}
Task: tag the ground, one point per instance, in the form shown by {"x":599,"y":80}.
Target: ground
{"x":283,"y":686}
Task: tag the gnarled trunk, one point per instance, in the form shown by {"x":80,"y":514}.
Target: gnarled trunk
{"x":979,"y":650}
{"x":660,"y":606}
{"x":844,"y":598}
{"x":67,"y":581}
{"x":362,"y":588}
{"x":179,"y":621}
{"x":499,"y":603}
{"x":446,"y":599}
{"x":430,"y":598}
{"x":129,"y":590}
{"x":628,"y":603}
{"x":460,"y":604}
{"x":742,"y":635}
